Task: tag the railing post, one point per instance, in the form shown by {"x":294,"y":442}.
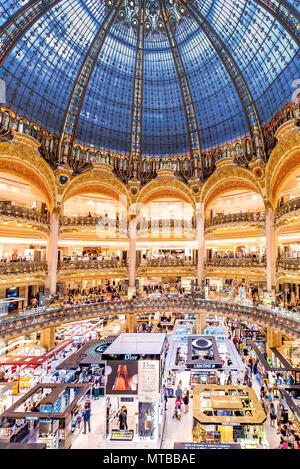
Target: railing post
{"x":52,"y":252}
{"x":271,"y":245}
{"x":200,"y":243}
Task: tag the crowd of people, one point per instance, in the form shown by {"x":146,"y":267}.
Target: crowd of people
{"x":108,"y":292}
{"x":239,"y":255}
{"x":91,"y":256}
{"x":273,"y":407}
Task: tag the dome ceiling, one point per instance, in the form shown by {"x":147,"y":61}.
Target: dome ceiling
{"x":167,"y":76}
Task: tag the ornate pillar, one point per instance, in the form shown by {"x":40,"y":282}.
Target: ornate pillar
{"x":130,"y":322}
{"x":52,"y":253}
{"x":47,"y":338}
{"x":271,"y":242}
{"x":200,"y":243}
{"x":132,"y":255}
{"x":274,"y":340}
{"x":200,"y":322}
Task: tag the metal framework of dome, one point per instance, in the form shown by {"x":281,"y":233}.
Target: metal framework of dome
{"x":150,"y":77}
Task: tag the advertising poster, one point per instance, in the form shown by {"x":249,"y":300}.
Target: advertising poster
{"x":121,"y":377}
{"x":148,"y":377}
{"x":148,"y":419}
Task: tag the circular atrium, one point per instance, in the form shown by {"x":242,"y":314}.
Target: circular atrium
{"x":150,"y":226}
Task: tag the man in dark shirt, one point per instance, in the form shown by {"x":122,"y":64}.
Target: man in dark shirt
{"x":86,"y":419}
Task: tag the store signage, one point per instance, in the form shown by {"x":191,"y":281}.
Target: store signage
{"x":207,"y":446}
{"x":205,"y":366}
{"x":230,"y":424}
{"x":203,"y":353}
{"x":5,"y":433}
{"x":148,"y":377}
{"x":129,"y":357}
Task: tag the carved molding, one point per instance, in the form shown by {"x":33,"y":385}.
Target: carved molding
{"x":165,"y":186}
{"x":284,"y":159}
{"x":96,"y":181}
{"x":228,"y":178}
{"x":23,"y":160}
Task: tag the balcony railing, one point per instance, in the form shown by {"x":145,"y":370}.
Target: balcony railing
{"x":7,"y":209}
{"x":88,"y":221}
{"x":288,"y":264}
{"x":289,"y":207}
{"x":90,"y":264}
{"x":246,"y":217}
{"x":235,"y":262}
{"x":22,"y":267}
{"x":283,"y":321}
{"x":163,"y":224}
{"x":167,"y":263}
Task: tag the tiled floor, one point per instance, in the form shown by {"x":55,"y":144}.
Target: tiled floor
{"x":177,"y":430}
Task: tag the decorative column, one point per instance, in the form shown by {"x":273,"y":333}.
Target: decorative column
{"x":130,"y":322}
{"x":132,"y":256}
{"x":271,"y":243}
{"x":274,"y":340}
{"x":52,"y":253}
{"x":47,"y":338}
{"x":200,"y":243}
{"x":200,"y":322}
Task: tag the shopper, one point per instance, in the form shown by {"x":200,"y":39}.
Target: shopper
{"x":165,"y":395}
{"x":86,"y":418}
{"x":123,"y":419}
{"x":186,"y":400}
{"x":278,"y":416}
{"x":178,"y":392}
{"x":297,"y":442}
{"x":283,"y":437}
{"x":272,"y":415}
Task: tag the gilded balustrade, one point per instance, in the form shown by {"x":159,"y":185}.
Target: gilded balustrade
{"x":289,"y":207}
{"x":23,"y":267}
{"x":88,"y":264}
{"x":288,"y":264}
{"x":284,"y":322}
{"x":168,"y":263}
{"x":7,"y":209}
{"x":235,"y":262}
{"x":243,"y":217}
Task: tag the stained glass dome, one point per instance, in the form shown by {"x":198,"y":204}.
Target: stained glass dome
{"x":165,"y":70}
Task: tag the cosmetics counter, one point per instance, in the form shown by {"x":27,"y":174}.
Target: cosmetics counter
{"x":135,"y":412}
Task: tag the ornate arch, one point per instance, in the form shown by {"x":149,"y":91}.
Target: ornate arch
{"x":226,"y":179}
{"x":165,"y":187}
{"x":283,"y":161}
{"x":97,"y":181}
{"x":23,"y":161}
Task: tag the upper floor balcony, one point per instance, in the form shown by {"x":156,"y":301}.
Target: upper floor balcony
{"x":25,"y":322}
{"x":30,"y":216}
{"x":257,"y":218}
{"x":288,"y":264}
{"x":168,"y":262}
{"x":145,"y":228}
{"x":22,"y":267}
{"x":287,"y":209}
{"x":236,"y":262}
{"x":90,"y":264}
